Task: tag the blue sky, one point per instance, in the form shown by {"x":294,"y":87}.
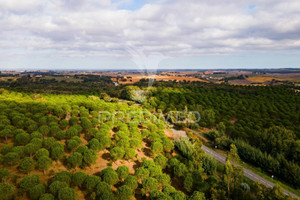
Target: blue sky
{"x":129,"y":34}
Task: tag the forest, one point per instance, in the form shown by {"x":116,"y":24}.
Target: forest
{"x":55,"y":146}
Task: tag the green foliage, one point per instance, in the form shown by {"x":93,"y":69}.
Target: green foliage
{"x":37,"y":191}
{"x":89,"y":157}
{"x":4,"y":174}
{"x":141,"y":173}
{"x":55,"y":186}
{"x":41,"y":152}
{"x":46,"y":197}
{"x":117,"y":153}
{"x":7,"y":191}
{"x":124,"y":192}
{"x":11,"y":159}
{"x":185,"y":147}
{"x":22,"y":139}
{"x":109,"y":176}
{"x":27,"y":165}
{"x":164,"y":179}
{"x":161,"y":161}
{"x":63,"y":176}
{"x":188,"y":182}
{"x":29,"y":182}
{"x":123,"y":172}
{"x":131,"y":182}
{"x":157,"y":147}
{"x":209,"y":164}
{"x":129,"y":154}
{"x":57,"y":153}
{"x":75,"y":160}
{"x":79,"y":178}
{"x":48,"y":142}
{"x":180,"y":170}
{"x":91,"y":182}
{"x":44,"y":163}
{"x":102,"y":188}
{"x":149,"y":184}
{"x":67,"y":194}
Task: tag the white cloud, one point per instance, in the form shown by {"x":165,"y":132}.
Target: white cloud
{"x":175,"y":28}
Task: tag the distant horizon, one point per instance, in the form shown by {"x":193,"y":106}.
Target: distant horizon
{"x":163,"y":69}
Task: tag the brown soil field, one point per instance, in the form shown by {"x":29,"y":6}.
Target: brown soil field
{"x":137,"y":78}
{"x":279,"y":77}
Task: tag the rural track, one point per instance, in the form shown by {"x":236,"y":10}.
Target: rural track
{"x":249,"y":174}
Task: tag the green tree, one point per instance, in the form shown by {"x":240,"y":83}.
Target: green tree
{"x":233,"y":154}
{"x":124,"y":192}
{"x":6,"y":133}
{"x":91,"y":182}
{"x":30,"y":149}
{"x":188,"y":182}
{"x":29,"y":182}
{"x":37,"y":191}
{"x":163,"y":179}
{"x":102,"y":188}
{"x":11,"y":159}
{"x":72,"y":144}
{"x":161,"y":161}
{"x":7,"y":191}
{"x":63,"y":124}
{"x":44,"y":130}
{"x":46,"y":197}
{"x":63,"y":176}
{"x":55,"y":186}
{"x":178,"y":195}
{"x":48,"y":142}
{"x":27,"y":165}
{"x":41,"y":152}
{"x":197,"y":196}
{"x":95,"y":145}
{"x":67,"y":194}
{"x":44,"y":163}
{"x":149,"y":184}
{"x":117,"y":153}
{"x":79,"y":178}
{"x":129,"y":153}
{"x":75,"y":160}
{"x":180,"y":170}
{"x":110,"y":176}
{"x":22,"y":139}
{"x":141,"y":173}
{"x":131,"y":182}
{"x":157,"y":147}
{"x":57,"y":153}
{"x":123,"y":172}
{"x":4,"y":175}
{"x":89,"y":157}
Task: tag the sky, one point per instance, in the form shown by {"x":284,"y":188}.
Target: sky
{"x":149,"y":34}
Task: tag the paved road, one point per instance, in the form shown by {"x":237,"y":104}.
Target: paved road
{"x":249,"y":174}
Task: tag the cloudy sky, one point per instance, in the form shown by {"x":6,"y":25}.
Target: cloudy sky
{"x":129,"y":34}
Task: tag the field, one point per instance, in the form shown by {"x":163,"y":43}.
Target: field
{"x":136,"y":78}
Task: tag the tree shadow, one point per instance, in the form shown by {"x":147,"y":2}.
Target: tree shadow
{"x":106,"y":156}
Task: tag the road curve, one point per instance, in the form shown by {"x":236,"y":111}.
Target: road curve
{"x":249,"y":174}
